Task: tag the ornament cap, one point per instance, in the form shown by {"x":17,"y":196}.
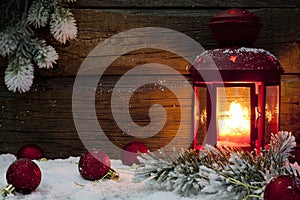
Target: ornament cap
{"x":9,"y":188}
{"x":112,"y":175}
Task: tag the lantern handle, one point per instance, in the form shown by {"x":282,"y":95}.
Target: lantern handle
{"x":257,"y":116}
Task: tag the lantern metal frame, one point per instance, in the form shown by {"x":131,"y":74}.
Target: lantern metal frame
{"x":254,"y":68}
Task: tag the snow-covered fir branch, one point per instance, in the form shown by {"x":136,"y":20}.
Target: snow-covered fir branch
{"x":63,"y":25}
{"x":179,"y":172}
{"x":218,"y":171}
{"x":21,"y":45}
{"x":19,"y":74}
{"x":38,"y":14}
{"x":293,"y":169}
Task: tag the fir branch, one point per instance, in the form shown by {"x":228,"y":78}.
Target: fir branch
{"x":19,"y":74}
{"x":222,"y":171}
{"x":283,"y":144}
{"x":248,"y":187}
{"x":179,"y":173}
{"x":293,"y":169}
{"x":256,"y":170}
{"x":19,"y":42}
{"x":13,"y":11}
{"x":38,"y":14}
{"x":62,"y":25}
{"x":24,"y":14}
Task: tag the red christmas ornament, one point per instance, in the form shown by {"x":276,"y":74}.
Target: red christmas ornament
{"x":95,"y":165}
{"x":31,"y":151}
{"x":283,"y":187}
{"x":130,"y":152}
{"x":24,"y":175}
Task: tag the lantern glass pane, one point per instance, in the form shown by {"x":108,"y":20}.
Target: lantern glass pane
{"x":233,"y":116}
{"x":200,"y":116}
{"x":271,"y":112}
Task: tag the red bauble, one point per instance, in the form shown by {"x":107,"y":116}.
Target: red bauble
{"x":24,"y":175}
{"x":130,"y":152}
{"x":94,"y":165}
{"x":283,"y":187}
{"x":31,"y":151}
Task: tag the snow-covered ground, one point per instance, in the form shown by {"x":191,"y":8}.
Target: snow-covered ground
{"x":62,"y":181}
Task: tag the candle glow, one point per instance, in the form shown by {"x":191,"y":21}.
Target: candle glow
{"x":234,"y":126}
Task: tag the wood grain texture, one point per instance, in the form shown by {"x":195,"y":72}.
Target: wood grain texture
{"x":184,"y":4}
{"x":290,"y":108}
{"x":280,"y":35}
{"x":44,"y":115}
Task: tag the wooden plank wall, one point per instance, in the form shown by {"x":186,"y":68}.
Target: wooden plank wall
{"x":44,"y":115}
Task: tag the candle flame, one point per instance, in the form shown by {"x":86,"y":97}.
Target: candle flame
{"x":235,"y":111}
{"x":234,"y":128}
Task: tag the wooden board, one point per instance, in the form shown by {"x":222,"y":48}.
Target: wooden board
{"x":280,"y":35}
{"x":184,"y":4}
{"x":44,"y":115}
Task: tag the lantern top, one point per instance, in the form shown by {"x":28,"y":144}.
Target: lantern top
{"x":235,"y":27}
{"x":253,"y":63}
{"x":240,"y":58}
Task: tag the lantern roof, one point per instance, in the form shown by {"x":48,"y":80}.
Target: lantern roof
{"x":250,"y":63}
{"x":241,"y":58}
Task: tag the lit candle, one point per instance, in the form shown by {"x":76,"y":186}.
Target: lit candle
{"x":234,"y":126}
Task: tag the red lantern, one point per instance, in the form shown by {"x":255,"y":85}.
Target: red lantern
{"x":236,"y":89}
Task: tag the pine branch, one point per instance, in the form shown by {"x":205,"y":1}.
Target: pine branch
{"x":179,"y":172}
{"x":225,"y":172}
{"x":254,"y":171}
{"x":293,"y":169}
{"x":11,"y":11}
{"x":19,"y":42}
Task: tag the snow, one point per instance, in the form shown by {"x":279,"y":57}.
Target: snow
{"x":62,"y":181}
{"x":249,"y":50}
